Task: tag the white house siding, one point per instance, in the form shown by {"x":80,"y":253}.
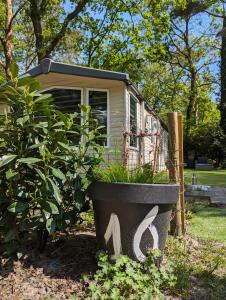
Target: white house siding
{"x":133,"y":155}
{"x":150,"y":124}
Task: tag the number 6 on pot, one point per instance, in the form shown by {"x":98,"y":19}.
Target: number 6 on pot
{"x":113,"y":229}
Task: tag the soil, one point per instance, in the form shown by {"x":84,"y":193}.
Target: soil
{"x":55,"y":274}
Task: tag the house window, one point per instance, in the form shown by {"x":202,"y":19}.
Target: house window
{"x":66,"y":100}
{"x":133,"y":122}
{"x":98,"y":101}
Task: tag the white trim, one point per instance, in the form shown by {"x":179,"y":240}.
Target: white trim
{"x":108,"y":110}
{"x":130,"y":93}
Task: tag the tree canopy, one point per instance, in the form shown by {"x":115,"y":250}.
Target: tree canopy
{"x":174,"y":50}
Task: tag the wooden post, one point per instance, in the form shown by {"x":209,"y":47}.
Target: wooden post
{"x":125,"y":148}
{"x":181,"y":170}
{"x":174,"y":167}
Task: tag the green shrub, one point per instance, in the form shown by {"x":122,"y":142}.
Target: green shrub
{"x":44,"y":173}
{"x":116,"y":172}
{"x":127,"y":279}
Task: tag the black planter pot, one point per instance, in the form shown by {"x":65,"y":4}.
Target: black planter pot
{"x":132,"y":218}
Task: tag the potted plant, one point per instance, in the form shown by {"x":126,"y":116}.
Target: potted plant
{"x":132,"y":211}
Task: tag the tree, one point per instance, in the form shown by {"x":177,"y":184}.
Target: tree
{"x":165,"y":88}
{"x":7,"y":18}
{"x":117,"y":35}
{"x":36,"y":11}
{"x":192,"y":52}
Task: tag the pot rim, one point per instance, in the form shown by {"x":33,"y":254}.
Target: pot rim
{"x":134,"y":192}
{"x":138,"y":184}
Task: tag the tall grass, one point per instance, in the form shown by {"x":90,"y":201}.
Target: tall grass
{"x":116,"y":172}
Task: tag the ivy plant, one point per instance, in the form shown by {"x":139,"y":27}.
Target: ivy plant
{"x":46,"y":162}
{"x":128,"y":279}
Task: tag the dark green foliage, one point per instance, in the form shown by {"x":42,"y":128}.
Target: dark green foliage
{"x":43,"y":173}
{"x":207,"y":140}
{"x":127,"y":279}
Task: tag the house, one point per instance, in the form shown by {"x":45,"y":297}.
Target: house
{"x":132,"y":128}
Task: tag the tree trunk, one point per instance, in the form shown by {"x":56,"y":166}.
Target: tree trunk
{"x":223,"y":80}
{"x":37,"y":11}
{"x":36,"y":18}
{"x":7,"y":40}
{"x":192,"y":106}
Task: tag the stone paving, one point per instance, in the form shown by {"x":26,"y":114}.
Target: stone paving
{"x":215,"y":194}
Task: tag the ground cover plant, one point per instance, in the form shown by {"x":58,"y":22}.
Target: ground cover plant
{"x":44,"y":173}
{"x":214,"y":178}
{"x":128,"y":279}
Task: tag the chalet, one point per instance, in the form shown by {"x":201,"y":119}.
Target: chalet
{"x":131,"y":126}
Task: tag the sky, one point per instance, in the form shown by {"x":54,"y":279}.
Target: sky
{"x":201,"y":24}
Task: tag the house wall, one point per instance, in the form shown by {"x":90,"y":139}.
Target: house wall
{"x":148,"y":123}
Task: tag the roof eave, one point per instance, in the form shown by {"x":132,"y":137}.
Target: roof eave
{"x":47,"y":65}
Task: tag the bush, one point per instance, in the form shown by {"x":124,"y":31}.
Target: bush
{"x":44,"y":173}
{"x":127,"y":279}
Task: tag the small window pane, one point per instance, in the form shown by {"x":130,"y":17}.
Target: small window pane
{"x":98,"y":104}
{"x":66,"y":100}
{"x":133,"y":122}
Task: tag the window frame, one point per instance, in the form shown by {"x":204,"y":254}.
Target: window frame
{"x":108,"y":110}
{"x":137,"y":102}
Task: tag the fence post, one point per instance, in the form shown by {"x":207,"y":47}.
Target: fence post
{"x":181,"y":170}
{"x":125,"y":148}
{"x":174,"y":174}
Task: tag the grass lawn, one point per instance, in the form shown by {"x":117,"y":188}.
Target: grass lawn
{"x":208,"y":223}
{"x":215,"y":177}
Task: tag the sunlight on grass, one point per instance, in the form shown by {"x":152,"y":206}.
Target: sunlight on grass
{"x":214,"y":178}
{"x":210,"y":223}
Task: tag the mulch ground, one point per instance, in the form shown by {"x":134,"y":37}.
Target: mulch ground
{"x":55,"y":274}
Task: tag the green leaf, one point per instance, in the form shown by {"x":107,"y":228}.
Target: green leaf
{"x":10,"y":174}
{"x":79,"y":198}
{"x":56,"y":191}
{"x":18,"y":207}
{"x":41,"y":174}
{"x":5,"y":159}
{"x":25,"y":80}
{"x":14,"y":69}
{"x":44,"y":97}
{"x":58,"y":173}
{"x":50,"y":207}
{"x":11,"y":234}
{"x":22,"y":121}
{"x":65,"y":146}
{"x":29,"y":160}
{"x":50,"y":225}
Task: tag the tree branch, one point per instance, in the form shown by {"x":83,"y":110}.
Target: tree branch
{"x":67,"y":20}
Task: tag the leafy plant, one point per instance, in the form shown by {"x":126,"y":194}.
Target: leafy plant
{"x":116,"y":172}
{"x":128,"y":279}
{"x":44,"y":173}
